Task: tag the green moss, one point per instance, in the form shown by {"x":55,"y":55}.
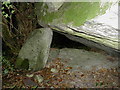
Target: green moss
{"x":43,"y":14}
{"x":18,"y":62}
{"x":22,"y":63}
{"x":79,"y":13}
{"x":25,"y":64}
{"x":71,"y":12}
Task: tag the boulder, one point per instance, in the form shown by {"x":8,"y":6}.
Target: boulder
{"x":91,"y":23}
{"x":80,"y":59}
{"x":54,"y":6}
{"x":34,"y":53}
{"x":75,"y":13}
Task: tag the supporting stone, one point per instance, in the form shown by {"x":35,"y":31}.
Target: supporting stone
{"x":34,"y":53}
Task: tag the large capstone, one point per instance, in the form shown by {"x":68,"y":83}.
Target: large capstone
{"x":94,"y":24}
{"x":54,"y":6}
{"x":34,"y":53}
{"x":75,"y":13}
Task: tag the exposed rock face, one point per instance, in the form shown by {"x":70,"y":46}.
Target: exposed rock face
{"x":36,"y":50}
{"x":85,"y":23}
{"x":75,"y":13}
{"x":54,"y":6}
{"x":96,"y":35}
{"x":80,"y":59}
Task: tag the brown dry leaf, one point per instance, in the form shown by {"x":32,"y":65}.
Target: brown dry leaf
{"x":103,"y":70}
{"x":58,"y":58}
{"x":60,"y":80}
{"x":69,"y":68}
{"x":82,"y":75}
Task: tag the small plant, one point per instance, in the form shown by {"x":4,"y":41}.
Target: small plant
{"x":7,"y":9}
{"x":6,"y":65}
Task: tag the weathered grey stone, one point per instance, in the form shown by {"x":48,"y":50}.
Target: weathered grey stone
{"x":30,"y":75}
{"x":80,"y":59}
{"x":86,"y":23}
{"x":35,"y":51}
{"x":53,"y":54}
{"x":54,"y":70}
{"x":39,"y":78}
{"x":54,"y":6}
{"x":92,"y":37}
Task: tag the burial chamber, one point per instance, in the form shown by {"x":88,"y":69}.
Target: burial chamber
{"x":84,"y":22}
{"x":94,"y":24}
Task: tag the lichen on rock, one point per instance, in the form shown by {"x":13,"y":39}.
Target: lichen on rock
{"x":36,"y":49}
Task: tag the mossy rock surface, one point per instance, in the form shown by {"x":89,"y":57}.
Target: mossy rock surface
{"x":76,"y":13}
{"x":77,"y":19}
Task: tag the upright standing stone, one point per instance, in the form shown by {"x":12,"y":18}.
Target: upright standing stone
{"x":34,"y":53}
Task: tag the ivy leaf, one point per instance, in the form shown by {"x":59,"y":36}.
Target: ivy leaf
{"x":6,"y":71}
{"x":10,"y":6}
{"x":3,"y":8}
{"x":96,"y":84}
{"x":6,"y":15}
{"x":12,"y":11}
{"x":6,"y":2}
{"x":3,"y":12}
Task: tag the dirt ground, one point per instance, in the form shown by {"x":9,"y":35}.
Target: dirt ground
{"x":59,"y":73}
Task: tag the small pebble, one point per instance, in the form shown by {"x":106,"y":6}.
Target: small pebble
{"x":54,"y":70}
{"x":39,"y":78}
{"x":29,"y":75}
